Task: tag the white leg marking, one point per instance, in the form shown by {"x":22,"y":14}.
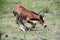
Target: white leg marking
{"x":34,"y":21}
{"x":22,"y":27}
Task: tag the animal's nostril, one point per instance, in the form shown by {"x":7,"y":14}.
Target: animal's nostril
{"x":45,"y":26}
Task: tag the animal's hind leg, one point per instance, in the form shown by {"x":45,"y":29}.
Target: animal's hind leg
{"x":22,"y":26}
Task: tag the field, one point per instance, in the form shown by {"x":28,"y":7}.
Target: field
{"x":9,"y":30}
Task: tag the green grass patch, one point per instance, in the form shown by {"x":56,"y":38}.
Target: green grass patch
{"x":49,"y":8}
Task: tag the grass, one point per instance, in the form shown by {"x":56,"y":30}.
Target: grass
{"x":49,"y":8}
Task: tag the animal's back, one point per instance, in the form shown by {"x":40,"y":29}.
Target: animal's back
{"x":25,"y":12}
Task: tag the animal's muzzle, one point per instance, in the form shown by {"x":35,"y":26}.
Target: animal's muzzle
{"x":44,"y":25}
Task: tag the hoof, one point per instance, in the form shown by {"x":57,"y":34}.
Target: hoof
{"x":33,"y":27}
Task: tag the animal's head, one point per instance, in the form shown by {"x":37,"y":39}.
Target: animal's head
{"x":42,"y":21}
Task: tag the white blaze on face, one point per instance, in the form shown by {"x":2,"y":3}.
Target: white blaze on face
{"x":44,"y":24}
{"x":43,"y":19}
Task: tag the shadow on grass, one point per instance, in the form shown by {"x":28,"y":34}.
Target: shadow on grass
{"x":38,"y":29}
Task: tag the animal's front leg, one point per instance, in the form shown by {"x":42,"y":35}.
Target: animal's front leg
{"x":17,"y":19}
{"x":33,"y":23}
{"x":22,"y":26}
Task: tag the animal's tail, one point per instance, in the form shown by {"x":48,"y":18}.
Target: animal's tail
{"x":14,"y":13}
